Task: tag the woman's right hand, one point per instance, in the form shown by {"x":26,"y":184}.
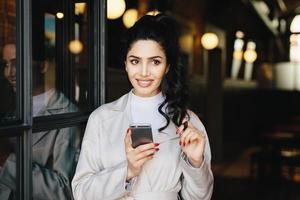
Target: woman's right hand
{"x":137,"y":157}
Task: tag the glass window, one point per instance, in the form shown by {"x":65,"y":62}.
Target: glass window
{"x":7,"y":60}
{"x":54,"y":157}
{"x":8,"y":168}
{"x":60,"y":57}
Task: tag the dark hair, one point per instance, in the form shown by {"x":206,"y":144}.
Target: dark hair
{"x":164,"y":30}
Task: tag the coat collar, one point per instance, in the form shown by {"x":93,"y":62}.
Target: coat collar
{"x":57,"y":103}
{"x":122,"y":105}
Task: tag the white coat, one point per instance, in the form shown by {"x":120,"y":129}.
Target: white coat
{"x":102,"y":168}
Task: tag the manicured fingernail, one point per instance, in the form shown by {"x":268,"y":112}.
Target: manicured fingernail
{"x":184,"y":143}
{"x":180,"y":142}
{"x":156,"y":144}
{"x":128,"y":130}
{"x":189,"y":142}
{"x":157,"y":149}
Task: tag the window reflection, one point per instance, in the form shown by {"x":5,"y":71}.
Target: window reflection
{"x":60,"y":57}
{"x":7,"y":60}
{"x":8,"y":168}
{"x":54,"y":157}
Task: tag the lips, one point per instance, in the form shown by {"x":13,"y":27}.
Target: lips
{"x":13,"y":81}
{"x":144,"y":82}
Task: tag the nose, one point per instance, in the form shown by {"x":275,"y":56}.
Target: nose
{"x":12,"y":71}
{"x":145,"y":70}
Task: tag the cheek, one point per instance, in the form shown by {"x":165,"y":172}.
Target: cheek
{"x":159,"y":73}
{"x":6,"y":72}
{"x":130,"y":71}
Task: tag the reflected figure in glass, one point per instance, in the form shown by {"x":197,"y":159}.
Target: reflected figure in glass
{"x":8,"y":83}
{"x":54,"y":152}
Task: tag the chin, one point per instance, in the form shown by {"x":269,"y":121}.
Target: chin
{"x":144,"y":92}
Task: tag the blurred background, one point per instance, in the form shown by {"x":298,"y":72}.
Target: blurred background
{"x":243,"y":65}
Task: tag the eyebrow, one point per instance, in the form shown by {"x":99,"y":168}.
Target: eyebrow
{"x":132,"y":56}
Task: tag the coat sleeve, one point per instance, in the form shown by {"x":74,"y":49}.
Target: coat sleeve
{"x":55,"y":182}
{"x":197,"y":183}
{"x":92,"y":180}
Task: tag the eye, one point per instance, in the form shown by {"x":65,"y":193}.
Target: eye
{"x":156,"y":62}
{"x":134,"y":61}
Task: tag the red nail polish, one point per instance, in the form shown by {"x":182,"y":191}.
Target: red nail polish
{"x":180,"y":142}
{"x":128,"y":130}
{"x":189,"y":142}
{"x":156,"y":149}
{"x":156,"y":144}
{"x":184,"y":143}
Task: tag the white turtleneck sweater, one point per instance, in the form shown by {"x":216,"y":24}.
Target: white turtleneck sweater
{"x":145,"y":110}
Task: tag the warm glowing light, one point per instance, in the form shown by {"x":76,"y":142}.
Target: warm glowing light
{"x":250,"y":56}
{"x":115,"y":8}
{"x":75,"y":46}
{"x":130,"y":17}
{"x":251,"y":45}
{"x":60,"y":15}
{"x":238,"y":55}
{"x":153,"y":12}
{"x":238,"y":44}
{"x":79,"y":8}
{"x":186,"y":42}
{"x":209,"y":40}
{"x":295,"y":25}
{"x":295,"y":48}
{"x":239,"y":34}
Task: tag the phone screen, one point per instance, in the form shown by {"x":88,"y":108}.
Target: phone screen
{"x":141,"y":134}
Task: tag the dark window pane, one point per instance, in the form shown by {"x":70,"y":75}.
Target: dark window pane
{"x":8,"y":168}
{"x":8,"y":60}
{"x":60,"y":57}
{"x":54,"y":158}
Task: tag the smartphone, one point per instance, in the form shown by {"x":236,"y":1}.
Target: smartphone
{"x":141,"y":134}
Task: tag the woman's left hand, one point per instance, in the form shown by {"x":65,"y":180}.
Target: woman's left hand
{"x":192,"y":142}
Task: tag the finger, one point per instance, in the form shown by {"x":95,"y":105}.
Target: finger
{"x":193,"y":137}
{"x":188,"y":138}
{"x":183,"y":136}
{"x":197,"y":136}
{"x":182,"y":127}
{"x":145,"y":147}
{"x":141,"y":162}
{"x":145,"y":154}
{"x":128,"y":146}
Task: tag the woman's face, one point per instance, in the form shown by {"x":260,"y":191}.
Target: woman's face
{"x":146,"y":65}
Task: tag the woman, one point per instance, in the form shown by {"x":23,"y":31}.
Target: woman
{"x":177,"y":163}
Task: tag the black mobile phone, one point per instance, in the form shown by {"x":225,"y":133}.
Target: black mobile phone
{"x":141,"y":134}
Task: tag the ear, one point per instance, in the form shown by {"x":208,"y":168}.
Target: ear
{"x":167,"y":70}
